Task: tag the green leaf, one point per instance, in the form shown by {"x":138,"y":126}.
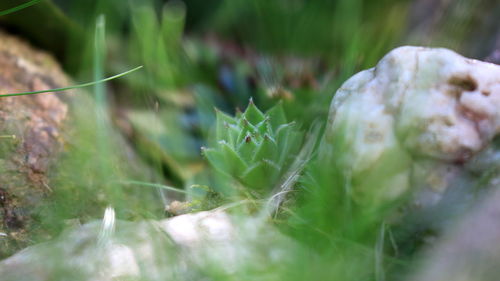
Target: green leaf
{"x":266,"y":150}
{"x":287,"y":139}
{"x":283,"y":132}
{"x":216,"y":159}
{"x":263,"y":127}
{"x":253,"y":114}
{"x":233,"y":133}
{"x":223,"y":121}
{"x":276,"y":116}
{"x":234,"y":163}
{"x":247,"y":128}
{"x":247,"y":147}
{"x":238,"y":114}
{"x":261,"y":176}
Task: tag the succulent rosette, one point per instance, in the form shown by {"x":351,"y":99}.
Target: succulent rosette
{"x":254,"y":148}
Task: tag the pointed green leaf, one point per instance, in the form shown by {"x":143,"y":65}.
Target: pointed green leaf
{"x":287,"y":139}
{"x":232,"y":135}
{"x":247,"y":148}
{"x":261,"y":176}
{"x":276,"y":116}
{"x":223,"y":121}
{"x":266,"y":150}
{"x":253,"y":114}
{"x":236,"y":165}
{"x":238,"y":114}
{"x":263,"y":127}
{"x":283,"y":132}
{"x":247,"y":128}
{"x":216,"y":159}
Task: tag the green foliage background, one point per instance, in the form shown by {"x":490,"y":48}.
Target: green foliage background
{"x":148,"y":128}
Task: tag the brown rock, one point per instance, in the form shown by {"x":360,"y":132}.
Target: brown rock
{"x":30,"y":134}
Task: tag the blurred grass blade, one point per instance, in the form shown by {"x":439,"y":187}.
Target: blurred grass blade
{"x":99,"y":55}
{"x":101,"y":105}
{"x":172,"y":24}
{"x":157,"y":185}
{"x":19,"y":7}
{"x":75,"y":86}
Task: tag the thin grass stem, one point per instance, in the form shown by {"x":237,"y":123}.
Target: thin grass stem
{"x":18,"y":8}
{"x":157,"y":185}
{"x":75,"y":86}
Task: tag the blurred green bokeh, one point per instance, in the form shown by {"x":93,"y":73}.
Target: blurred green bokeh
{"x":200,"y":55}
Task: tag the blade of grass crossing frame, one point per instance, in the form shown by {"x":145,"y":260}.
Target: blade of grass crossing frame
{"x":156,"y":185}
{"x":19,"y":7}
{"x":88,"y":84}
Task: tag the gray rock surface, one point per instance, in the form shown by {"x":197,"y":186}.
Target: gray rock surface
{"x":467,"y":251}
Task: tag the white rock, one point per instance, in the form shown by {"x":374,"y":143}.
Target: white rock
{"x":417,"y":103}
{"x":191,"y":229}
{"x":185,"y":247}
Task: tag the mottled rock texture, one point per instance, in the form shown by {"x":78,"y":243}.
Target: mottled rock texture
{"x":185,"y":247}
{"x":30,"y":129}
{"x":414,"y":120}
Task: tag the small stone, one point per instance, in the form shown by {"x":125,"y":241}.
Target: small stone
{"x":417,"y":104}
